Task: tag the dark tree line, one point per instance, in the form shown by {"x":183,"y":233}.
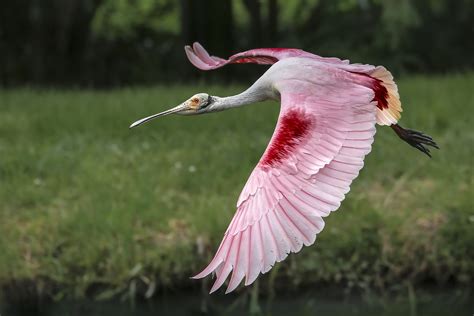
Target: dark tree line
{"x":103,"y":43}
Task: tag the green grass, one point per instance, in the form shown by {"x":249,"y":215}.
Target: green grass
{"x":95,"y":208}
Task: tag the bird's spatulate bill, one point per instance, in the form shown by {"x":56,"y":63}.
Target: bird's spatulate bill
{"x":176,"y":109}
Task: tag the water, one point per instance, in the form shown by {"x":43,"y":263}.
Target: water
{"x":453,"y":302}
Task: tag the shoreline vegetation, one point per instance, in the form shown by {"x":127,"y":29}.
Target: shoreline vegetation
{"x":91,"y":209}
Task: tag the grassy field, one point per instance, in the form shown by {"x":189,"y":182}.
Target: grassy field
{"x":89,"y":207}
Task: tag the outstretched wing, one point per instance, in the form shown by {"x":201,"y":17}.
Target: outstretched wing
{"x":200,"y":58}
{"x":321,"y":138}
{"x":388,"y":91}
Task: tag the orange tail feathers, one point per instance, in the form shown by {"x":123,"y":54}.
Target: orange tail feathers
{"x":391,"y":112}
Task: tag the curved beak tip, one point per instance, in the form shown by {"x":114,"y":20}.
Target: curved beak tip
{"x":136,"y":123}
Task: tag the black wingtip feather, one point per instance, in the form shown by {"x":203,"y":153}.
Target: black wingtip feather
{"x":416,"y":139}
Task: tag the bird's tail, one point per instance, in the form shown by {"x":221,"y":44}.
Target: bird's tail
{"x":389,"y":107}
{"x":416,"y":139}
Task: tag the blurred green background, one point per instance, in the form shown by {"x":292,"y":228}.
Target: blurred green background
{"x":93,"y":212}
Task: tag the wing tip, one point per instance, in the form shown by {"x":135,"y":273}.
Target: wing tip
{"x":200,"y":58}
{"x":195,"y":59}
{"x":214,"y":288}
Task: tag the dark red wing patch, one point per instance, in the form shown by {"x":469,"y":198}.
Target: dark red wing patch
{"x":381,"y":93}
{"x":262,"y":60}
{"x":294,"y":127}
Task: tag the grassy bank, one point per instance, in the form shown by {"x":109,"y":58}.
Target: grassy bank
{"x":94,"y":208}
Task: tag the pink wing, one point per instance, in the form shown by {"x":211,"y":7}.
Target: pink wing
{"x":321,"y":138}
{"x":200,"y":58}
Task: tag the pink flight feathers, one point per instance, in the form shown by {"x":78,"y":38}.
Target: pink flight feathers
{"x":200,"y":58}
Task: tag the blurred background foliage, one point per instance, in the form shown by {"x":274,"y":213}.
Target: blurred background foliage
{"x":90,"y":209}
{"x":104,"y":43}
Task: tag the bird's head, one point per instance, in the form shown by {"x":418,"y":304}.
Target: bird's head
{"x":197,"y":104}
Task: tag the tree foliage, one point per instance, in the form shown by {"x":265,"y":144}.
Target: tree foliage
{"x":116,"y":42}
{"x":122,"y":18}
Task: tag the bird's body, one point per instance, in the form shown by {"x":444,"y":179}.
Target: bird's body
{"x":326,"y":126}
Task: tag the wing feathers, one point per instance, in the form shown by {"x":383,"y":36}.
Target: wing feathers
{"x":295,"y":236}
{"x":228,"y":260}
{"x":241,"y":262}
{"x":299,"y":223}
{"x":200,"y":58}
{"x":282,"y":240}
{"x":281,"y":208}
{"x":256,"y":258}
{"x":270,"y":245}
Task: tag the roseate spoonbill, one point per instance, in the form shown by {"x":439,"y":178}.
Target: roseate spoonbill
{"x":326,"y":126}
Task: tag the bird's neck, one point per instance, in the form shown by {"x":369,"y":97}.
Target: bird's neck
{"x":249,"y":96}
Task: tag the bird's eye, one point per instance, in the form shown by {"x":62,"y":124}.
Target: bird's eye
{"x":195,"y":100}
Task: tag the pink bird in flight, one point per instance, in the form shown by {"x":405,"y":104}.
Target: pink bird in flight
{"x":329,"y":109}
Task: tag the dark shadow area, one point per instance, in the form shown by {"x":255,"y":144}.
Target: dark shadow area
{"x":106,"y":43}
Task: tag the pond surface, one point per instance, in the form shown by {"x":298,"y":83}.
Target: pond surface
{"x":452,"y":303}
